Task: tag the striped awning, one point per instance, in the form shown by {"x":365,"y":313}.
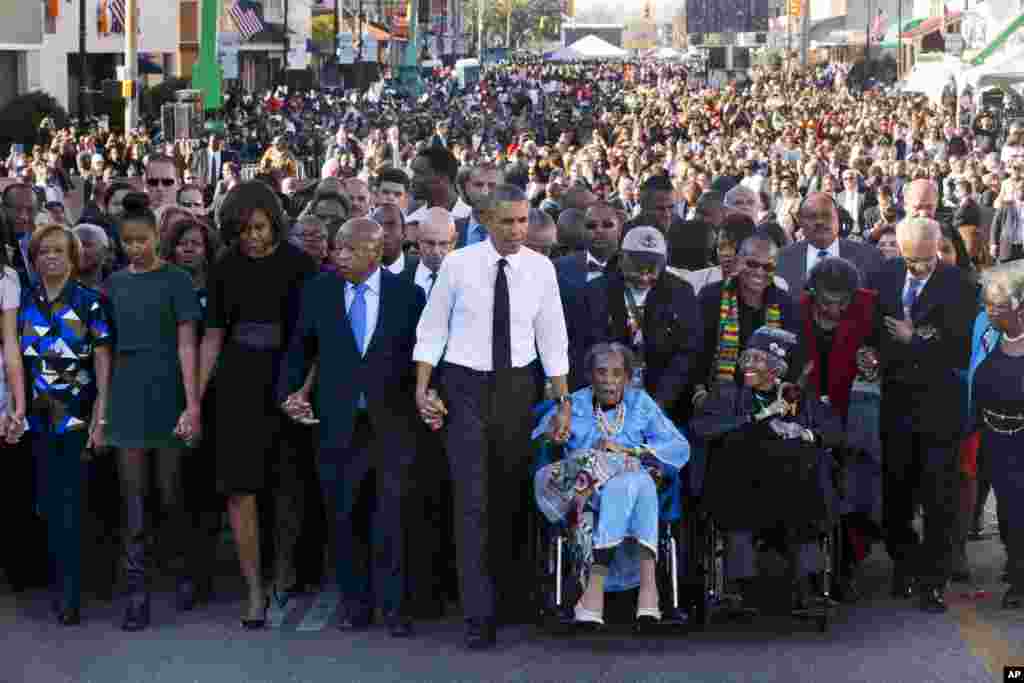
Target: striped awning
{"x":930,"y":25}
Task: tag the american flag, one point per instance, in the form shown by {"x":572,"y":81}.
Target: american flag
{"x":248,"y":21}
{"x":878,"y":27}
{"x":117,"y":16}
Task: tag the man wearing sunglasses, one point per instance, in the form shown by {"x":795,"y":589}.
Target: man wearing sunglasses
{"x":818,"y":219}
{"x":161,"y":178}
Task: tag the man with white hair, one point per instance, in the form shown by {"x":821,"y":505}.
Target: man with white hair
{"x":743,"y":199}
{"x":922,"y":333}
{"x":436,"y":239}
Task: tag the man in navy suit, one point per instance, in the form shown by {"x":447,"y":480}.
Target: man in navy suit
{"x":819,"y":220}
{"x":601,"y":236}
{"x":922,"y":332}
{"x":364,"y":380}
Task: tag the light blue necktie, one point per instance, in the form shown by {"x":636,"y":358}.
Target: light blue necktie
{"x":357,"y":317}
{"x":479,"y":233}
{"x":910,"y":296}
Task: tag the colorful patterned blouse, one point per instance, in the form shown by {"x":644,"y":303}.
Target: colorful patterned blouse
{"x":57,"y":343}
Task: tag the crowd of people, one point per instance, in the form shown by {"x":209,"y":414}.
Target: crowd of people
{"x":641,"y":272}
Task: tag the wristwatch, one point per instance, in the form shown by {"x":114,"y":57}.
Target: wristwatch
{"x":563,"y":399}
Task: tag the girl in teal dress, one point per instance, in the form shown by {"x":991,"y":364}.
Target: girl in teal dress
{"x":154,"y":406}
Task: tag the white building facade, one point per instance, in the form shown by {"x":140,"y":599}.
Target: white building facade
{"x":21,"y":35}
{"x":55,"y":67}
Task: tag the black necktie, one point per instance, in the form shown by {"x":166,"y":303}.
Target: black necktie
{"x":433,"y":280}
{"x":502,"y":343}
{"x":593,"y":267}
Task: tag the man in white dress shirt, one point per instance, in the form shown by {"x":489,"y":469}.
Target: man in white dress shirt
{"x":494,"y":309}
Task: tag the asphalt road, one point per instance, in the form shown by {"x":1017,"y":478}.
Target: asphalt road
{"x":877,"y":641}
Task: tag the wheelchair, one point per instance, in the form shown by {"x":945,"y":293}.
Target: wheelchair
{"x":559,"y":568}
{"x":707,"y":534}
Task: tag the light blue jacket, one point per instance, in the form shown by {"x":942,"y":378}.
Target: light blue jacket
{"x":983,"y":341}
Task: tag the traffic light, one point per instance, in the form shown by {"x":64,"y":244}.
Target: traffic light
{"x":647,"y":10}
{"x":796,"y":8}
{"x":128,"y":89}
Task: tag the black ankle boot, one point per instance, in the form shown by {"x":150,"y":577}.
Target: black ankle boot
{"x":136,"y":615}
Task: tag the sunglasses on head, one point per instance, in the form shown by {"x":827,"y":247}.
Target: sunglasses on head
{"x":155,"y":182}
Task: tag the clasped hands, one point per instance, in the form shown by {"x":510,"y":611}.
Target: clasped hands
{"x":298,"y":409}
{"x":431,"y":409}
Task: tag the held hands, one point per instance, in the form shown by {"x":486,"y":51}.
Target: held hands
{"x":867,"y":363}
{"x":432,"y":409}
{"x":13,"y":427}
{"x":189,"y":429}
{"x":298,"y":409}
{"x":561,"y":424}
{"x":900,"y":330}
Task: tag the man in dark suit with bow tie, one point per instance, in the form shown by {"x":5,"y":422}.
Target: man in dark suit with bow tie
{"x":922,"y":332}
{"x":363,"y":350}
{"x":602,"y":234}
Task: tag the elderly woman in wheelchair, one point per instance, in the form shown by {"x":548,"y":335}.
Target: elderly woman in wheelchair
{"x":620,"y":451}
{"x":770,"y":468}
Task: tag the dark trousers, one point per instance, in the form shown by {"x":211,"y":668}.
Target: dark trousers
{"x":487,"y":438}
{"x":918,"y":469}
{"x":346,"y":475}
{"x":62,"y":503}
{"x":1006,"y":465}
{"x":24,"y":562}
{"x":430,"y":545}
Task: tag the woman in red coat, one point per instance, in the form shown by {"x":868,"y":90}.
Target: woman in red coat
{"x":838,"y":319}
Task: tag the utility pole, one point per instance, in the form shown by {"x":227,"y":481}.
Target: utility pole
{"x":131,"y":65}
{"x":287,"y":41}
{"x":508,"y":26}
{"x":359,"y":30}
{"x":480,"y":30}
{"x":83,"y":68}
{"x":899,"y":41}
{"x":805,"y":31}
{"x":337,"y":28}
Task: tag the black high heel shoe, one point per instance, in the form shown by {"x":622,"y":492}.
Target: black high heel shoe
{"x":257,"y":624}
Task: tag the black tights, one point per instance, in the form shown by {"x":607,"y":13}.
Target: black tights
{"x":134,"y":474}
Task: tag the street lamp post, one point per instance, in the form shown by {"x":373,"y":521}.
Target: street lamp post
{"x":83,"y":69}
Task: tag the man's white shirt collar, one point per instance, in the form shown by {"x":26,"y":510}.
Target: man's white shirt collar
{"x":812,"y":253}
{"x":399,"y":265}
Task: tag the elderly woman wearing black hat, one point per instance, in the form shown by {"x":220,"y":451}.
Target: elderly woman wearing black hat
{"x":756,"y":431}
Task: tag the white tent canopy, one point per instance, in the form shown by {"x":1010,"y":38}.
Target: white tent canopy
{"x":1007,"y":69}
{"x":931,"y":77}
{"x":592,"y":47}
{"x":566,"y":54}
{"x":665,"y":53}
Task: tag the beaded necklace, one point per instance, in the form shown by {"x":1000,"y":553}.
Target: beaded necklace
{"x":607,"y":429}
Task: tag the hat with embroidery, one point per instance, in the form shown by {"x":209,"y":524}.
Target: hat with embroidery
{"x":777,"y":343}
{"x":645,"y":239}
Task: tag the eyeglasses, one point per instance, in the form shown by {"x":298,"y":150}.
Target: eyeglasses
{"x":925,"y":261}
{"x":192,"y":205}
{"x":156,"y":182}
{"x":594,"y":225}
{"x":768,"y":267}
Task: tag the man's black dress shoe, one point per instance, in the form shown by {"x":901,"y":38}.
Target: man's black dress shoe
{"x":398,"y":626}
{"x":902,"y":584}
{"x":69,"y":616}
{"x":933,"y":600}
{"x":355,"y":618}
{"x":186,"y":596}
{"x":480,"y":634}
